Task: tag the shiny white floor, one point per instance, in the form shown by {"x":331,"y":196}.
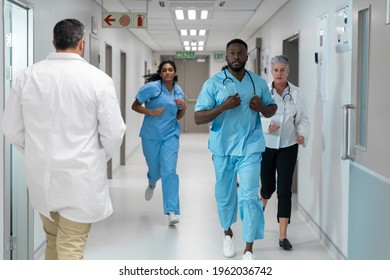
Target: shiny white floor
{"x":138,"y":230}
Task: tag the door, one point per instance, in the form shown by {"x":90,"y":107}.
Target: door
{"x":109,"y":73}
{"x":123,"y":104}
{"x":192,"y":73}
{"x":291,"y":50}
{"x":19,"y":219}
{"x":369,"y":187}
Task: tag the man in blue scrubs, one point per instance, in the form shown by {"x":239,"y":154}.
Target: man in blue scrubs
{"x":232,"y":100}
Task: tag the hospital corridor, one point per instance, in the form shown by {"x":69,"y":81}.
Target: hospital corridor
{"x":335,"y":61}
{"x":138,"y":230}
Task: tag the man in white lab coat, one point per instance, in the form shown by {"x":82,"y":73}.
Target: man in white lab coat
{"x":63,"y":114}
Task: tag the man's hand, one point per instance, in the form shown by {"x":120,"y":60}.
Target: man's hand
{"x":231,"y":102}
{"x":256,"y":104}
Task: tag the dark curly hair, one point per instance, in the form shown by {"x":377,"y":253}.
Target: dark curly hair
{"x":156,"y":76}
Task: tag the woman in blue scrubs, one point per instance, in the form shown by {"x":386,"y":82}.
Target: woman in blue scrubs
{"x":164,"y":105}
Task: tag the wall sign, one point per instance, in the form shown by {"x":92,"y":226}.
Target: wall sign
{"x":344,"y":28}
{"x":124,"y":20}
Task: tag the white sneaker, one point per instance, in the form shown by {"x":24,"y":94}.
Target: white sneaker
{"x":149,"y":193}
{"x":248,"y":256}
{"x":228,"y":247}
{"x":173,"y":219}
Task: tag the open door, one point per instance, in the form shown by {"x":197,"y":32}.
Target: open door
{"x":19,"y":216}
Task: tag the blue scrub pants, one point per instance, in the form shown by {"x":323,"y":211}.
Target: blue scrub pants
{"x":245,"y":197}
{"x":161,"y":158}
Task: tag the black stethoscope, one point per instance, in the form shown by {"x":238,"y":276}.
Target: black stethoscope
{"x":234,"y":87}
{"x":175,"y":94}
{"x":284,"y":96}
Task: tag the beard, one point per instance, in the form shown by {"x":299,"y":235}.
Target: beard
{"x":236,"y":67}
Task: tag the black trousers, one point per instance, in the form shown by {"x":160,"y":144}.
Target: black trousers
{"x":277,"y":171}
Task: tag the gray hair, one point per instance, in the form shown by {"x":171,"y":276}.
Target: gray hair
{"x":280,"y":59}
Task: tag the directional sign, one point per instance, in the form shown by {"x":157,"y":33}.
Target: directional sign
{"x":124,"y":20}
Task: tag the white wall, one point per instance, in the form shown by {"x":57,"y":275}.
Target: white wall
{"x":136,"y":55}
{"x":322,"y":177}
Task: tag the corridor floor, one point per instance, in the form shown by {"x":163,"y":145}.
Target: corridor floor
{"x":138,"y":230}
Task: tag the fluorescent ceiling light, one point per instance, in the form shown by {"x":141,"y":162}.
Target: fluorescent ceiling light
{"x":186,"y":43}
{"x":191,"y":14}
{"x":202,"y":32}
{"x":179,"y":14}
{"x":204,"y":14}
{"x":193,"y":43}
{"x":184,"y":32}
{"x":200,"y":48}
{"x":193,"y":32}
{"x":193,"y":48}
{"x":200,"y":43}
{"x":187,"y":48}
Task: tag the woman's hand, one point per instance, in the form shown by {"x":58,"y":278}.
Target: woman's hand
{"x":181,"y":104}
{"x":273,"y":127}
{"x":300,"y":139}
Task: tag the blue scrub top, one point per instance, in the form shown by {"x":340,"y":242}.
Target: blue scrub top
{"x":155,"y":95}
{"x":238,"y":131}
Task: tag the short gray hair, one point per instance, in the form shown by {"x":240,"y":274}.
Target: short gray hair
{"x":280,"y":59}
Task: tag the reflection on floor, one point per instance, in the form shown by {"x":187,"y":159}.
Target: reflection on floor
{"x":139,"y":231}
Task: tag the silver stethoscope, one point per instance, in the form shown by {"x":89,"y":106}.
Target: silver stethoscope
{"x":284,"y":95}
{"x":224,"y":82}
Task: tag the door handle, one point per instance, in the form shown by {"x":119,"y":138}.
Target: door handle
{"x":346,"y":149}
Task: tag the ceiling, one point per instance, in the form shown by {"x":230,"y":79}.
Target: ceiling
{"x":233,"y":19}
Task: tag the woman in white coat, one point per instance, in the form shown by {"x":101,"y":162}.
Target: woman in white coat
{"x":287,"y":129}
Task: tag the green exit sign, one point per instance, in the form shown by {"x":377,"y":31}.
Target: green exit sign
{"x":219,"y":56}
{"x":185,"y":54}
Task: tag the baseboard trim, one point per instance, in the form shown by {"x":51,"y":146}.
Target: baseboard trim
{"x":324,"y":238}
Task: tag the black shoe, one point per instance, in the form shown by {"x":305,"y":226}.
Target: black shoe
{"x":285,"y":244}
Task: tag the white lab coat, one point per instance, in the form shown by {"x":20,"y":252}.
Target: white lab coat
{"x":301,"y":121}
{"x":63,"y":114}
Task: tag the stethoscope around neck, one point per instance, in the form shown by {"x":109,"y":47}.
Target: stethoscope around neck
{"x":174,"y":93}
{"x":224,"y":82}
{"x":284,"y":95}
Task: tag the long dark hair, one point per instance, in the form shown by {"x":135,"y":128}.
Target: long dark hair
{"x":156,"y":76}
